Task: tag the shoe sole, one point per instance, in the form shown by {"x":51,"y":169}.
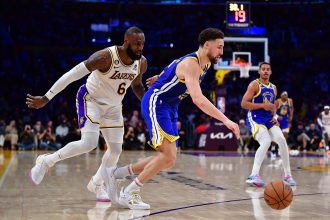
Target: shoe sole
{"x":289,"y":183}
{"x":256,"y":184}
{"x":131,"y":208}
{"x":90,"y":188}
{"x":103,"y":200}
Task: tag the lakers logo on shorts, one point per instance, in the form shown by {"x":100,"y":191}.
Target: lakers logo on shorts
{"x":81,"y":120}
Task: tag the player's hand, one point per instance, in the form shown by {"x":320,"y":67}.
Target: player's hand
{"x":279,"y":118}
{"x":36,"y":101}
{"x":275,"y":122}
{"x":151,"y":80}
{"x":269,"y":107}
{"x":233,"y":127}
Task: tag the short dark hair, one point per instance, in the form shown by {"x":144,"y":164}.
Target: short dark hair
{"x":133,"y":30}
{"x":209,"y":34}
{"x":263,"y":63}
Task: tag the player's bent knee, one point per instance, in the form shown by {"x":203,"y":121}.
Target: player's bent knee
{"x":170,"y":161}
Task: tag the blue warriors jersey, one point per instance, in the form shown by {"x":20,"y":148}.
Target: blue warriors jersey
{"x":159,"y":105}
{"x":284,"y":111}
{"x":261,"y":117}
{"x":266,"y":94}
{"x":169,"y":87}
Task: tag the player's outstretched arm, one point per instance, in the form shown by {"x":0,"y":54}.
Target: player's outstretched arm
{"x":137,"y":84}
{"x":247,"y":103}
{"x":190,"y":70}
{"x":99,"y":60}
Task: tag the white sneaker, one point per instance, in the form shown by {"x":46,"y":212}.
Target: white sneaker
{"x":110,"y":182}
{"x":99,"y":190}
{"x":39,"y":170}
{"x":132,"y":200}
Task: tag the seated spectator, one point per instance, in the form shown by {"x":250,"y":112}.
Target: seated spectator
{"x":182,"y":135}
{"x":11,"y":134}
{"x":74,"y":131}
{"x":300,"y":136}
{"x":62,"y":132}
{"x":130,"y":140}
{"x":141,"y":133}
{"x":48,"y":140}
{"x":2,"y":133}
{"x":244,"y":136}
{"x":134,"y":120}
{"x":26,"y":139}
{"x":37,"y":129}
{"x":315,"y":135}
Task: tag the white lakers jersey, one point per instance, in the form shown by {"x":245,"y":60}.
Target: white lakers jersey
{"x":325,"y":119}
{"x":110,"y":87}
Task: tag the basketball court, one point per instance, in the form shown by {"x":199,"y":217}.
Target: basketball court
{"x":203,"y":185}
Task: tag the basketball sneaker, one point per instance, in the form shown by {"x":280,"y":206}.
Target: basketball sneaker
{"x":255,"y":180}
{"x":289,"y":180}
{"x":39,"y":170}
{"x":99,"y":190}
{"x":110,"y":182}
{"x":132,"y":200}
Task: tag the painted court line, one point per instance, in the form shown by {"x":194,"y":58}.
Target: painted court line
{"x":7,"y":169}
{"x":213,"y":203}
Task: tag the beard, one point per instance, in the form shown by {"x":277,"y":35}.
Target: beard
{"x":131,"y":54}
{"x":213,"y":60}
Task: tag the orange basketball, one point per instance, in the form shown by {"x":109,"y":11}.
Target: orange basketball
{"x":278,"y":195}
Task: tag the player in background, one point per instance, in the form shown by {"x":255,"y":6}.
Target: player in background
{"x":284,"y":115}
{"x":259,"y":100}
{"x":324,"y":122}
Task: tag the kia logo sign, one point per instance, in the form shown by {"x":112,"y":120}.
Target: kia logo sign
{"x":221,"y":135}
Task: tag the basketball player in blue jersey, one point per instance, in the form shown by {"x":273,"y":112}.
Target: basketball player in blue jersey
{"x":160,"y":111}
{"x":259,"y":100}
{"x":284,"y":113}
{"x":99,"y":105}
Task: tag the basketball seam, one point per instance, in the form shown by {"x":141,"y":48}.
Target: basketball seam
{"x":270,"y":196}
{"x":281,"y":200}
{"x":288,"y":195}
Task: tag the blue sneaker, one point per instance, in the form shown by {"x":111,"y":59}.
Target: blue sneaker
{"x":289,"y":180}
{"x":255,"y":180}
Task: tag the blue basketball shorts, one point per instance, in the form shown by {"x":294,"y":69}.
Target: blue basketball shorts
{"x":254,"y":122}
{"x":160,"y":118}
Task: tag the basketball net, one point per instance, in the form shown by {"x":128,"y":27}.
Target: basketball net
{"x":244,"y":69}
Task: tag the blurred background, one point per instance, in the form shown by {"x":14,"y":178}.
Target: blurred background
{"x":40,"y":40}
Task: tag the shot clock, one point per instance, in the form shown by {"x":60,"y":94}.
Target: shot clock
{"x":238,"y":14}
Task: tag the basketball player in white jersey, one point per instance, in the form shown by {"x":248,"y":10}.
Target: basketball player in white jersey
{"x":324,"y":122}
{"x":99,"y":104}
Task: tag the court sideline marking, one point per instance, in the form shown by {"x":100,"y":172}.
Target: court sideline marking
{"x":6,"y":167}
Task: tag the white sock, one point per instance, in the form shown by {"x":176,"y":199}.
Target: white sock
{"x":264,"y":140}
{"x":135,"y":184}
{"x":278,"y":137}
{"x":122,"y":172}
